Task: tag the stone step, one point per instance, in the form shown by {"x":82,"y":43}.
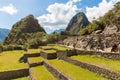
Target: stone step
{"x":35,"y":61}
{"x":40,"y":73}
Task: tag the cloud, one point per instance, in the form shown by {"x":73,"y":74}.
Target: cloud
{"x":10,"y":9}
{"x":100,"y":10}
{"x":59,"y":14}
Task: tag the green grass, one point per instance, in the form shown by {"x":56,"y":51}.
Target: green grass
{"x":32,"y":51}
{"x":9,"y":60}
{"x":35,"y":59}
{"x":46,"y":47}
{"x":58,"y":47}
{"x":51,"y":44}
{"x":102,"y":62}
{"x":74,"y":72}
{"x":41,"y":73}
{"x":49,"y":51}
{"x":55,"y":46}
{"x":22,"y":78}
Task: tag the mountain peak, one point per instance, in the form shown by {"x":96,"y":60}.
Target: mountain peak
{"x":78,"y":22}
{"x":26,"y":25}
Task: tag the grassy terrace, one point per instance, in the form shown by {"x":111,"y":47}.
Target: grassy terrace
{"x":74,"y":72}
{"x":35,"y":59}
{"x":58,"y":47}
{"x":9,"y":60}
{"x":32,"y":51}
{"x":55,"y":46}
{"x":41,"y":73}
{"x":49,"y":51}
{"x":102,"y":62}
{"x":47,"y":47}
{"x":22,"y":78}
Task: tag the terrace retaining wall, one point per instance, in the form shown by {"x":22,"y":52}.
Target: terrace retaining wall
{"x":35,"y":64}
{"x":48,"y":55}
{"x":55,"y":72}
{"x":30,"y":55}
{"x":101,"y":71}
{"x":114,"y":56}
{"x":8,"y":75}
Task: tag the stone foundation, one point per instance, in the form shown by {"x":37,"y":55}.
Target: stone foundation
{"x":48,"y":55}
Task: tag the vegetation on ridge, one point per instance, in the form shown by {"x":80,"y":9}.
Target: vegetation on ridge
{"x":110,"y":18}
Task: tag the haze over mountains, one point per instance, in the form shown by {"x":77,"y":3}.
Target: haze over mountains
{"x":3,"y":33}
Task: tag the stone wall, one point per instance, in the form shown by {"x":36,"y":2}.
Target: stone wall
{"x":61,"y":54}
{"x":35,"y":64}
{"x":101,"y":71}
{"x":71,"y":53}
{"x":114,"y":56}
{"x":55,"y":72}
{"x":48,"y":55}
{"x":14,"y":74}
{"x":25,"y":56}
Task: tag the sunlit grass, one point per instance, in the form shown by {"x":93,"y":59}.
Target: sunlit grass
{"x":41,"y":73}
{"x":63,"y":48}
{"x":103,"y":62}
{"x":47,"y":47}
{"x":10,"y":60}
{"x":22,"y":78}
{"x":35,"y":59}
{"x":49,"y":51}
{"x":55,"y":46}
{"x":32,"y":51}
{"x":74,"y":72}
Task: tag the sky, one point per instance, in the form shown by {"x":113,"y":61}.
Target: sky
{"x":51,"y":14}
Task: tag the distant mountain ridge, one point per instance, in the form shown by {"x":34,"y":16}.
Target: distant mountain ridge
{"x":3,"y":33}
{"x":59,"y":30}
{"x":78,"y":22}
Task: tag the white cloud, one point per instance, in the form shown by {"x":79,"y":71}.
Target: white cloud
{"x":10,"y":9}
{"x":100,"y":10}
{"x":59,"y":15}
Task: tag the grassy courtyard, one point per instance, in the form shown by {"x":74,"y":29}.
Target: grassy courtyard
{"x":9,"y":60}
